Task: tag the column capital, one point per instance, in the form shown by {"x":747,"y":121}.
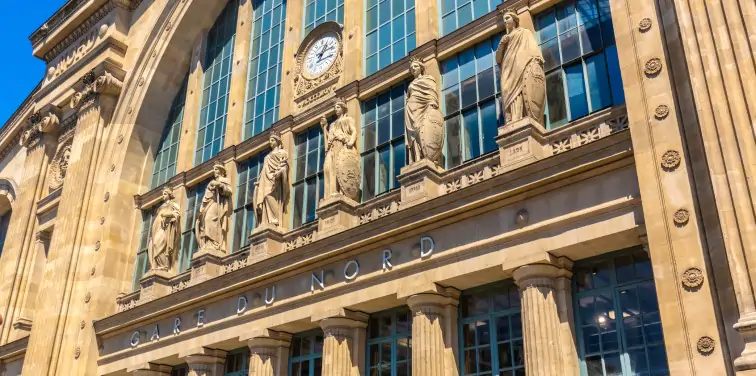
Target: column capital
{"x":203,"y":356}
{"x":447,"y":296}
{"x":266,"y":339}
{"x":346,"y":320}
{"x":541,"y":275}
{"x":150,"y":369}
{"x":45,"y":121}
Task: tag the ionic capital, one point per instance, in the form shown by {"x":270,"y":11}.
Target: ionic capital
{"x":46,"y":120}
{"x":95,"y":84}
{"x":433,"y":302}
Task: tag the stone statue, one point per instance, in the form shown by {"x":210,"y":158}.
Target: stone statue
{"x":523,"y":87}
{"x":423,"y":119}
{"x":165,"y":233}
{"x":341,"y":168}
{"x":272,"y":186}
{"x":211,"y":225}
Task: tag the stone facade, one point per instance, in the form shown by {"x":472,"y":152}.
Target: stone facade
{"x":663,"y":179}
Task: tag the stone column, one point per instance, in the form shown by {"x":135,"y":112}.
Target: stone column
{"x":40,"y":147}
{"x":63,"y":289}
{"x":434,"y":328}
{"x":269,"y":354}
{"x":354,"y":57}
{"x":205,"y":362}
{"x":540,"y":319}
{"x":344,"y":344}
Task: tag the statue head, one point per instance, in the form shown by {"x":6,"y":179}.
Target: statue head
{"x":167,"y":194}
{"x":340,"y":107}
{"x":219,"y":170}
{"x":275,"y":140}
{"x":417,"y":68}
{"x":511,"y":19}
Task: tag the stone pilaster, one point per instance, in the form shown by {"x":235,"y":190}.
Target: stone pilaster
{"x":205,"y":362}
{"x":269,"y":353}
{"x":239,"y":65}
{"x":63,"y":289}
{"x":344,"y":344}
{"x":151,"y":369}
{"x":40,"y":147}
{"x":434,"y":326}
{"x":540,"y":318}
{"x":520,"y":142}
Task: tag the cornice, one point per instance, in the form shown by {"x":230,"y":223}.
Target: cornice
{"x":13,"y":349}
{"x":594,"y":159}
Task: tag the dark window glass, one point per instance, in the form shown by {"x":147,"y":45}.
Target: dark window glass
{"x":188,"y":241}
{"x":319,"y":11}
{"x":389,"y":343}
{"x":142,"y":261}
{"x":617,"y":316}
{"x":306,"y":354}
{"x":167,"y":154}
{"x":308,"y":173}
{"x":244,"y":211}
{"x":236,"y":362}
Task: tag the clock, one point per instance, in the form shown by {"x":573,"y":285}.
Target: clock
{"x":321,"y":54}
{"x":319,"y":64}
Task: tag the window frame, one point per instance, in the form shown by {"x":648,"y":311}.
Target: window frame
{"x":242,"y":213}
{"x":318,"y":176}
{"x":338,"y":10}
{"x":408,"y":38}
{"x":240,"y":354}
{"x":491,"y":316}
{"x":142,"y":267}
{"x":310,"y":358}
{"x":193,"y":198}
{"x":393,"y":339}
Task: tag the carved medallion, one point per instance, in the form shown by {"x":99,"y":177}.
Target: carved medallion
{"x":681,"y":217}
{"x":670,"y":160}
{"x":653,"y":67}
{"x":644,"y":25}
{"x":661,"y":111}
{"x":59,"y":167}
{"x":97,"y":245}
{"x":705,"y":345}
{"x":319,"y":63}
{"x":692,"y":277}
{"x":77,"y":352}
{"x":522,"y":217}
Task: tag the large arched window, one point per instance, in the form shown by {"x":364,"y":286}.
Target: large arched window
{"x":265,"y":65}
{"x":165,"y":158}
{"x":216,"y":84}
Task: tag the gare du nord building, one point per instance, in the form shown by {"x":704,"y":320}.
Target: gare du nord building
{"x":383,"y":187}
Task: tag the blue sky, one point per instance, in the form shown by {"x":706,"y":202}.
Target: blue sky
{"x":21,"y":71}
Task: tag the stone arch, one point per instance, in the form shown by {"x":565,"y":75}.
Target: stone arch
{"x":138,"y":121}
{"x":8,"y":189}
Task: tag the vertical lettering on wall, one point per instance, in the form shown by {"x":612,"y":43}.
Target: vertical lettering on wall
{"x":319,"y":281}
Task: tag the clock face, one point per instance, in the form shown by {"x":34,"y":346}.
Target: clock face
{"x":321,"y":54}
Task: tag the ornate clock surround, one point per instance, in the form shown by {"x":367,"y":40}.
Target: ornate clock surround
{"x":309,"y":89}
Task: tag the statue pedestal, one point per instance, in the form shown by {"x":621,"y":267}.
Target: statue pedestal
{"x":207,"y":264}
{"x":336,"y":214}
{"x":154,"y":284}
{"x":520,"y":142}
{"x":265,"y":241}
{"x":420,"y":182}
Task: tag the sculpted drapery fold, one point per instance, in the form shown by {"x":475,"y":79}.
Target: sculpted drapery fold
{"x":212,"y":220}
{"x":341,"y":168}
{"x":523,"y":87}
{"x":272,"y":186}
{"x":423,"y":119}
{"x":165,"y":234}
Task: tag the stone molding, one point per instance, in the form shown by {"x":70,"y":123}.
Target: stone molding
{"x":203,"y":356}
{"x":95,"y":84}
{"x":45,"y":121}
{"x":151,"y":369}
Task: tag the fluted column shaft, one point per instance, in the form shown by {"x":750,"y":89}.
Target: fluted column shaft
{"x":433,"y":319}
{"x":269,"y":355}
{"x":343,"y":346}
{"x":540,"y":319}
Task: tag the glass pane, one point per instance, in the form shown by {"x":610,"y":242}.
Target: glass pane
{"x":576,"y":90}
{"x":555,"y":99}
{"x":598,"y":82}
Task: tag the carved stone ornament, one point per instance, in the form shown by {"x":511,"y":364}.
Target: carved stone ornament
{"x":423,"y":120}
{"x":644,"y":25}
{"x":82,"y":324}
{"x":681,"y":217}
{"x":77,"y":352}
{"x":653,"y":66}
{"x":36,"y":125}
{"x":164,"y":239}
{"x":692,"y":277}
{"x":95,"y":85}
{"x":341,"y":169}
{"x":523,"y":82}
{"x":670,"y":159}
{"x":661,"y":111}
{"x":319,"y":63}
{"x":706,"y":345}
{"x":87,"y":297}
{"x":211,"y":224}
{"x":59,"y":166}
{"x":97,"y":245}
{"x":272,"y":186}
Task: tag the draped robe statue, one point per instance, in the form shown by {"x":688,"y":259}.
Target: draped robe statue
{"x":163,"y":244}
{"x":272,"y":186}
{"x":423,"y":120}
{"x":523,"y":86}
{"x":341,"y":169}
{"x":211,"y":225}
